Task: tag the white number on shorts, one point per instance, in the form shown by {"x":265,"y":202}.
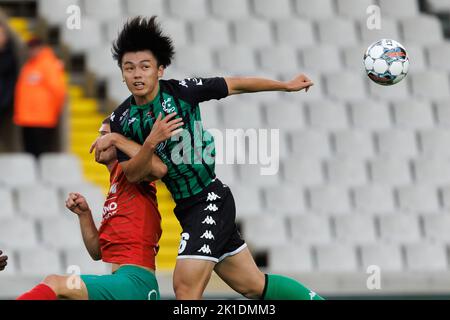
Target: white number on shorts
{"x":152,"y":295}
{"x":183,"y":242}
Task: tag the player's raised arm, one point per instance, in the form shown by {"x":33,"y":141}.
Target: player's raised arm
{"x":78,"y":205}
{"x":237,"y":85}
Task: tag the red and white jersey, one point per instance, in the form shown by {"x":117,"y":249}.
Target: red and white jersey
{"x":131,"y":225}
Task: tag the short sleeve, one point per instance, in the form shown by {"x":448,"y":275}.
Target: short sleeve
{"x":196,"y":90}
{"x":117,"y":128}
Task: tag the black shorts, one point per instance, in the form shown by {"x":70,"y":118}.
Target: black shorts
{"x":208,"y":223}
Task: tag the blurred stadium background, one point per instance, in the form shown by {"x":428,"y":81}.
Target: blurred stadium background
{"x":364,"y":171}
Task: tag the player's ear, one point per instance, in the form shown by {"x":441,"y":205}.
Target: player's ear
{"x":160,"y":71}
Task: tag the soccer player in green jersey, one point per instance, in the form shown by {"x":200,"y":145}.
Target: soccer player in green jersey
{"x":204,"y":205}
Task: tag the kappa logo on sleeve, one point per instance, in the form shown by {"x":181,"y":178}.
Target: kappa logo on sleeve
{"x":196,"y":81}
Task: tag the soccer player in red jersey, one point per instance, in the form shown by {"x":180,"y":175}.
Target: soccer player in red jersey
{"x":127,"y":238}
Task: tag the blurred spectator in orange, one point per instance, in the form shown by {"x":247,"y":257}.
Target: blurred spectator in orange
{"x":39,"y":98}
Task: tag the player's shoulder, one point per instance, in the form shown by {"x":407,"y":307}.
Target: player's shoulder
{"x":125,"y":104}
{"x":181,"y":84}
{"x":121,"y":110}
{"x":185,"y":89}
{"x":170,"y":85}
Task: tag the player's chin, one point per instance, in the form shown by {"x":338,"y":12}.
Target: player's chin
{"x":140,"y":92}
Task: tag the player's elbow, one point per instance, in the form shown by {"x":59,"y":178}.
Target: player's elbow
{"x":160,"y":171}
{"x":97,"y":258}
{"x":96,"y":255}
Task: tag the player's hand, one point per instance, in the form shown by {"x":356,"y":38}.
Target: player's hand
{"x":164,"y":129}
{"x":77,"y":204}
{"x":102,"y":143}
{"x":300,"y":82}
{"x":3,"y":261}
{"x":93,"y":145}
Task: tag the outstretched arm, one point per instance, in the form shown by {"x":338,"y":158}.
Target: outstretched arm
{"x":237,"y":85}
{"x":78,"y":205}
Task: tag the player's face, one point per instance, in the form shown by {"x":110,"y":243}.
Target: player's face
{"x":108,"y":155}
{"x":141,"y":73}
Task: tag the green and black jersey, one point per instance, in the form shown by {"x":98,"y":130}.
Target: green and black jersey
{"x":189,"y":156}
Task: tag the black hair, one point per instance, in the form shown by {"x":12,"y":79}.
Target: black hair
{"x":107,"y":120}
{"x":140,"y":34}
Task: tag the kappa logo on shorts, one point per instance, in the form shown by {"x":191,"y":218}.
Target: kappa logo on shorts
{"x":208,"y":220}
{"x":212,"y":196}
{"x":208,"y":235}
{"x":205,"y":249}
{"x":212,"y":207}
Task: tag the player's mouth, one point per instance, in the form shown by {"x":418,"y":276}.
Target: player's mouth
{"x":138,"y":85}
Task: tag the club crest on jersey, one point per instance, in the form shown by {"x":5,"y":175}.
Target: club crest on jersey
{"x":167,"y":105}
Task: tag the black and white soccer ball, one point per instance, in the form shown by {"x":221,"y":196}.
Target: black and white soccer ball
{"x":386,"y":62}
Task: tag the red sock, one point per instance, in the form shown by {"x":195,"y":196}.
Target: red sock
{"x":40,"y":292}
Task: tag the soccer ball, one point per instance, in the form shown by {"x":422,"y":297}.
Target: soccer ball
{"x":386,"y":62}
